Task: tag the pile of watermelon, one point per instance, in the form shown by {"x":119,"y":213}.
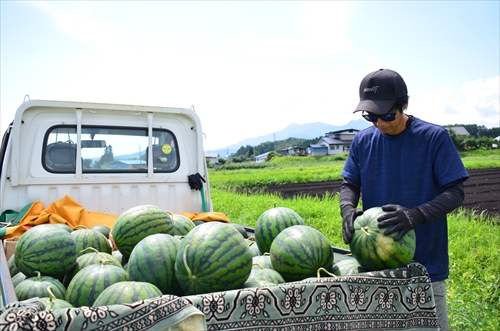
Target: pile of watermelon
{"x":151,"y":252}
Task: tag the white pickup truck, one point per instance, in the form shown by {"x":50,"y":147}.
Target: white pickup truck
{"x":110,"y":158}
{"x":99,"y":155}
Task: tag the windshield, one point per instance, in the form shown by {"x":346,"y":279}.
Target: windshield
{"x":109,"y":149}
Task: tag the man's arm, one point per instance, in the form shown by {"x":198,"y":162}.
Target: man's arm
{"x":450,"y":199}
{"x":349,"y":198}
{"x":349,"y":193}
{"x":405,"y":219}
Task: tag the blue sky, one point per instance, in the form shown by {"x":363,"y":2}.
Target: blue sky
{"x":251,"y":68}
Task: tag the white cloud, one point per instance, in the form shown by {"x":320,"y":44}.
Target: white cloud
{"x":319,"y":31}
{"x":476,"y":102}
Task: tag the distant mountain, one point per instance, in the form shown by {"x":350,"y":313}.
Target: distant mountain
{"x":303,"y":131}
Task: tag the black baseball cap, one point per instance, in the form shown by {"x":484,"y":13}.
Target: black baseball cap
{"x":379,"y":90}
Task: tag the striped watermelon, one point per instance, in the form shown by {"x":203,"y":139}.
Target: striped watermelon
{"x":52,"y":302}
{"x":263,"y":277}
{"x":19,"y":277}
{"x":347,"y":267}
{"x":126,"y":292}
{"x":254,"y":249}
{"x":212,"y":257}
{"x":241,"y":229}
{"x":271,"y":222}
{"x":90,"y":256}
{"x":153,"y":261}
{"x":299,"y":251}
{"x":137,"y":223}
{"x":263,"y":261}
{"x":102,"y":229}
{"x":182,"y":225}
{"x":89,"y":282}
{"x":11,"y":263}
{"x":37,"y":287}
{"x":46,"y":248}
{"x":64,"y":226}
{"x":376,"y":251}
{"x":86,"y":238}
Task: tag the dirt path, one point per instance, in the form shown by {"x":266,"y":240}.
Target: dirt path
{"x":482,"y":190}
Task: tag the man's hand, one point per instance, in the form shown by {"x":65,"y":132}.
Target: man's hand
{"x":402,"y":218}
{"x":349,"y":214}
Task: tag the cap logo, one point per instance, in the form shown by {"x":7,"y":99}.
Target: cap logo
{"x":373,"y":89}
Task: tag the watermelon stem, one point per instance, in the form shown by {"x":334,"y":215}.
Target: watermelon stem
{"x":326,"y":271}
{"x":51,"y":294}
{"x":87,"y":249}
{"x":258,"y":264}
{"x":363,"y":228}
{"x":190,"y":274}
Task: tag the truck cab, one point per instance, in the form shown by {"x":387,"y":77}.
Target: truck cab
{"x":108,"y":157}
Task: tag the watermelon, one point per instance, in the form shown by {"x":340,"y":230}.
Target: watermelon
{"x":37,"y":287}
{"x":19,"y":277}
{"x":89,"y":282}
{"x":212,"y":257}
{"x":90,"y":238}
{"x":46,"y":248}
{"x":102,"y":229}
{"x":299,"y":251}
{"x":263,"y":261}
{"x":11,"y":263}
{"x":137,"y":223}
{"x":241,"y":229}
{"x":52,"y":302}
{"x":271,"y":222}
{"x":182,"y":225}
{"x":254,"y":249}
{"x":64,"y":226}
{"x":90,"y":256}
{"x":263,"y":277}
{"x":376,"y":251}
{"x":153,"y":261}
{"x":347,"y":267}
{"x":119,"y":256}
{"x":126,"y":292}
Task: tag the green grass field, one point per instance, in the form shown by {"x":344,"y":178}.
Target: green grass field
{"x":473,"y":286}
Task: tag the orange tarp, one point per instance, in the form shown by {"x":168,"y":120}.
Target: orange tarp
{"x":68,"y":211}
{"x":65,"y":211}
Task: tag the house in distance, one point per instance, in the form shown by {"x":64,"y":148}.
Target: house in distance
{"x":336,"y":142}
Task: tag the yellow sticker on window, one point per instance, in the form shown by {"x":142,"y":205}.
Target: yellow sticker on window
{"x":166,"y":149}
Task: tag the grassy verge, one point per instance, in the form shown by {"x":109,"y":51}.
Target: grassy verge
{"x":295,"y":169}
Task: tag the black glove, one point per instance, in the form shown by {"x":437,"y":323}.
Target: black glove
{"x":196,"y":181}
{"x":349,"y":214}
{"x":402,"y":218}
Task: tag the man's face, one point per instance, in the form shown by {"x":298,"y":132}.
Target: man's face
{"x":391,"y":127}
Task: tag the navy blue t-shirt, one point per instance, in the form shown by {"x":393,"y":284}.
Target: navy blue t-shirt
{"x":408,"y":169}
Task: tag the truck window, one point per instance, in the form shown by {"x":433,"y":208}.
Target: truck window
{"x":109,"y":149}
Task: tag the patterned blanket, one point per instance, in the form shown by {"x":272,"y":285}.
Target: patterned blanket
{"x":396,"y":299}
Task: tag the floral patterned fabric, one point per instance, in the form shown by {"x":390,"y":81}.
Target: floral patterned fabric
{"x":396,"y":299}
{"x":167,"y":312}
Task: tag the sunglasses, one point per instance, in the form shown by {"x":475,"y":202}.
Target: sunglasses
{"x":389,"y":117}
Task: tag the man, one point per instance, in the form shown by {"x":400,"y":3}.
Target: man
{"x":408,"y":167}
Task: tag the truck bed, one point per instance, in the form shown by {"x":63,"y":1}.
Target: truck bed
{"x":396,"y":299}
